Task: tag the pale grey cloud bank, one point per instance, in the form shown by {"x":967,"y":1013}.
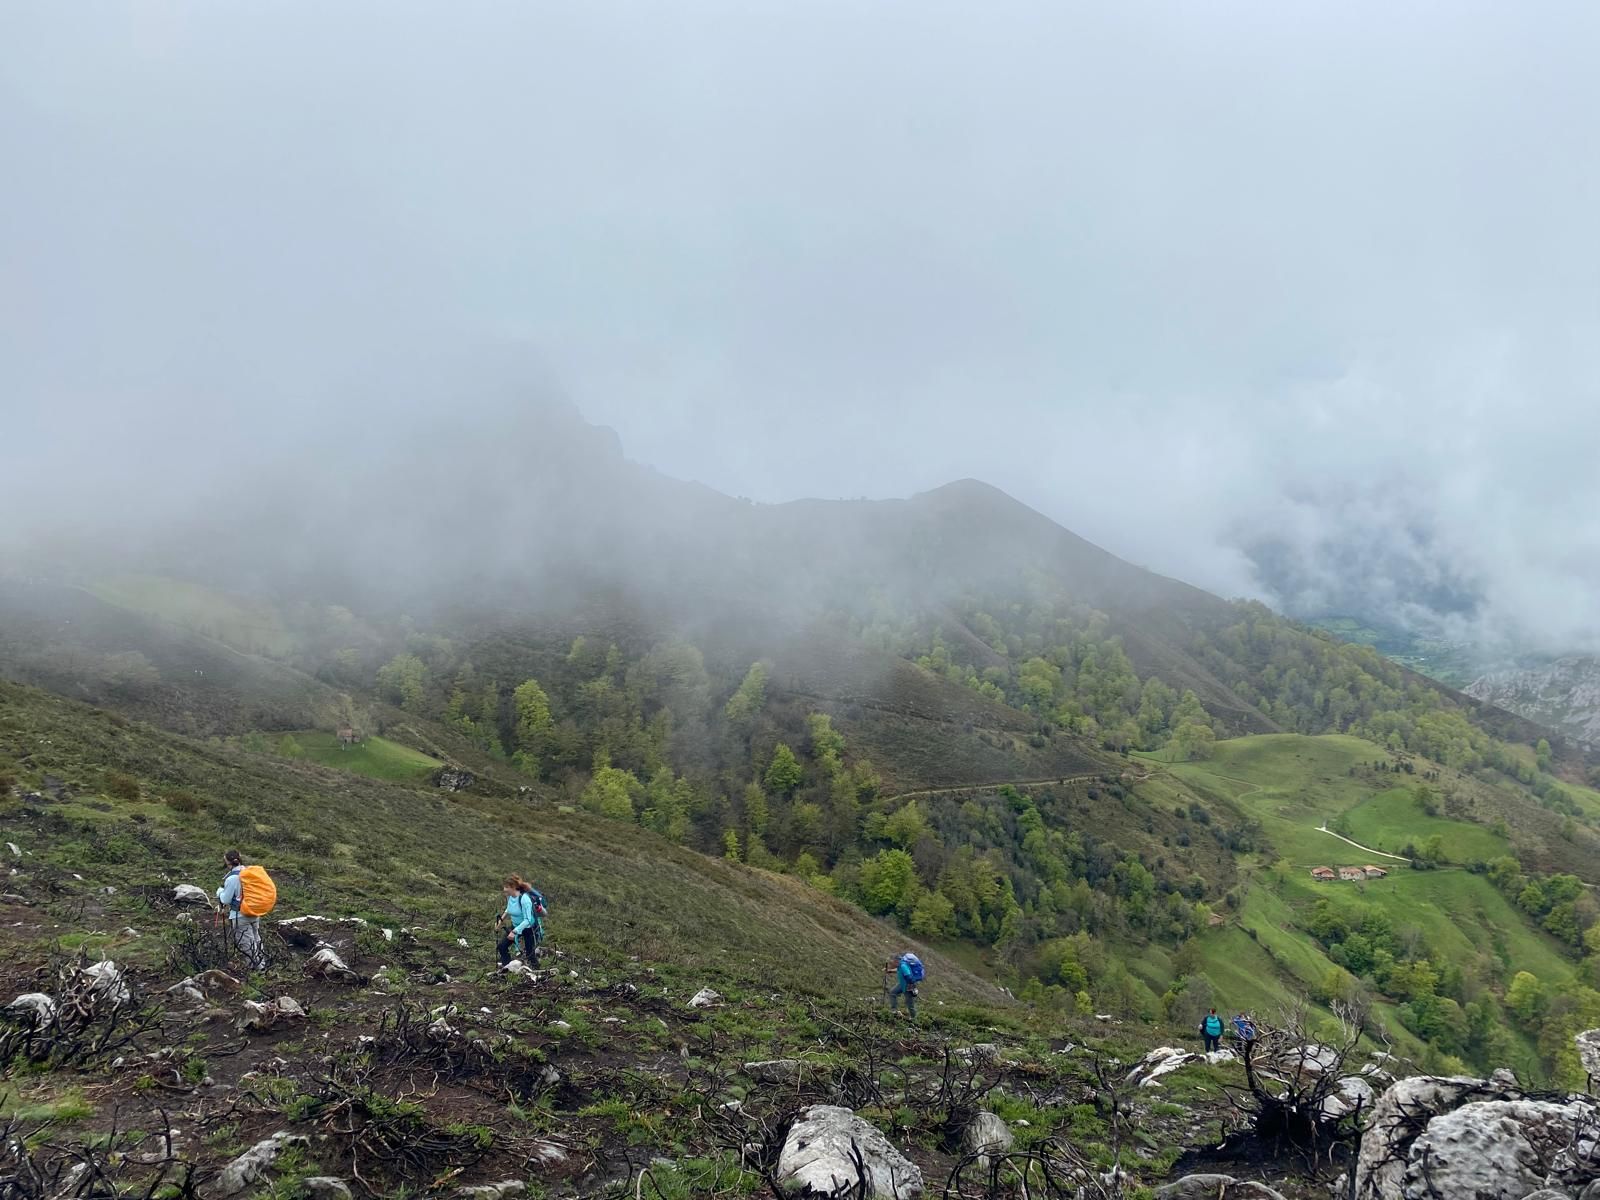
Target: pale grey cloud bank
{"x":1214,"y":285}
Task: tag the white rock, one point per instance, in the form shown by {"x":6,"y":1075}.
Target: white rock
{"x":517,"y":967}
{"x":1400,"y":1114}
{"x":327,"y":964}
{"x":818,"y":1158}
{"x":36,"y":1008}
{"x":261,"y":1016}
{"x":704,"y":998}
{"x":1490,"y":1148}
{"x":108,"y":985}
{"x":987,"y":1137}
{"x":187,"y":893}
{"x":462,"y":942}
{"x":326,"y":1187}
{"x":1209,"y":1187}
{"x":493,"y":1191}
{"x":15,"y":851}
{"x":1588,"y":1043}
{"x":254,"y":1163}
{"x":548,"y":1153}
{"x":388,"y":935}
{"x":1354,"y":1091}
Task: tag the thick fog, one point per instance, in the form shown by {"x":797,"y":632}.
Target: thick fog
{"x":1286,"y":300}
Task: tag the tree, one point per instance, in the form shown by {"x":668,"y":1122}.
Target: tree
{"x":783,"y":772}
{"x":755,"y":810}
{"x":888,"y":880}
{"x":749,"y":698}
{"x":827,"y":744}
{"x":532,"y":707}
{"x":1525,"y":997}
{"x":933,"y":915}
{"x":403,"y":680}
{"x":610,"y":793}
{"x":730,"y":845}
{"x":1193,"y":740}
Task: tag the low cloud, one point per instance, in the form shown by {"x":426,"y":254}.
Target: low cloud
{"x":1293,"y":303}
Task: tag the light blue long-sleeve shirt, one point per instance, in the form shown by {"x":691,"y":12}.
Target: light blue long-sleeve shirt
{"x":520,"y":909}
{"x":229,"y":895}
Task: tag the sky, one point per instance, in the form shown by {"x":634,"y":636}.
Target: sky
{"x":1292,"y":301}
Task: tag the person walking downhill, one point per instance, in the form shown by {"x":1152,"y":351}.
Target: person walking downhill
{"x":1244,"y":1029}
{"x":517,"y":921}
{"x":1211,"y":1030}
{"x":247,"y":894}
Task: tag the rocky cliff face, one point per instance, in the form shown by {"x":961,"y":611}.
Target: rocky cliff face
{"x":1564,"y":695}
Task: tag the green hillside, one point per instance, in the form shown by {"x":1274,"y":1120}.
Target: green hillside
{"x":1290,"y":934}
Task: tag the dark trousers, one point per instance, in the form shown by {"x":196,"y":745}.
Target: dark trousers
{"x":1213,"y":1041}
{"x":530,"y":945}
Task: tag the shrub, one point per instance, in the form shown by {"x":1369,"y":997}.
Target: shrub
{"x":183,"y":801}
{"x":122,"y":786}
{"x":7,"y":782}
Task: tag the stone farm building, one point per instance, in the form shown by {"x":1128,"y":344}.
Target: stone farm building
{"x":1348,"y":874}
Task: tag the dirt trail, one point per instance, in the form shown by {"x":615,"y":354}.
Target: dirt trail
{"x":1359,"y":846}
{"x":998,"y":783}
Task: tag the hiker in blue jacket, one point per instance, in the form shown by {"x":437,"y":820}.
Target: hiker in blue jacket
{"x":904,"y":974}
{"x":1211,"y":1030}
{"x":517,"y":922}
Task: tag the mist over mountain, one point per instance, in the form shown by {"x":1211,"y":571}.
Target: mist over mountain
{"x":1170,"y":281}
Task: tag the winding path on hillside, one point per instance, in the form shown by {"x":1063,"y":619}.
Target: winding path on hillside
{"x":948,"y":789}
{"x":1359,"y":846}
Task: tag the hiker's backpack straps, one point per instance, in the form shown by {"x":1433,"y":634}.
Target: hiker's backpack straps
{"x":257,"y":893}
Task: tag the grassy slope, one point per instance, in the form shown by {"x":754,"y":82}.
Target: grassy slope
{"x":1291,"y":784}
{"x":1393,"y":819}
{"x":339,"y":844}
{"x":375,"y":757}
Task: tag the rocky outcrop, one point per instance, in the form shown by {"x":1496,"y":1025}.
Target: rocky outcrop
{"x":187,"y":893}
{"x":1433,"y":1137}
{"x":1588,"y":1043}
{"x":821,"y":1153}
{"x":326,"y":1187}
{"x":453,"y":779}
{"x":1563,"y":695}
{"x":705,"y":998}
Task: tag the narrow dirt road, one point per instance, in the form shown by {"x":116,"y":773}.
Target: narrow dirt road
{"x":1359,"y":846}
{"x":985,"y":787}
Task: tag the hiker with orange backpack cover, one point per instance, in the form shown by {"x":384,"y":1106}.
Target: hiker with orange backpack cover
{"x":247,"y":894}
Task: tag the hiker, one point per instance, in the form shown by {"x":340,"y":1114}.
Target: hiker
{"x":901,"y":977}
{"x":533,"y":936}
{"x":1211,"y":1030}
{"x":515,"y":924}
{"x":1244,"y":1028}
{"x":247,"y":894}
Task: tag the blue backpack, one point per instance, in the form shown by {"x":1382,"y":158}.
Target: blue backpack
{"x":913,"y":965}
